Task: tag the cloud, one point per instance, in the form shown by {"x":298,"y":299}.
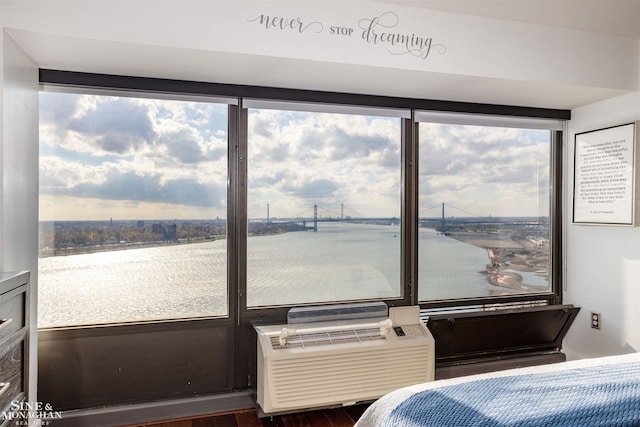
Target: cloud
{"x":313,"y":189}
{"x":152,"y":151}
{"x":482,"y":168}
{"x":119,"y":125}
{"x":271,"y":180}
{"x":192,"y":193}
{"x":58,"y":174}
{"x":57,"y":108}
{"x":261,"y":126}
{"x":183,"y":146}
{"x":147,"y":188}
{"x":345,"y":146}
{"x":328,"y":159}
{"x":279,"y":153}
{"x":130,"y":152}
{"x":337,"y":143}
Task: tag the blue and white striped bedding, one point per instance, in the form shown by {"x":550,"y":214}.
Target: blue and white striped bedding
{"x":593,"y":392}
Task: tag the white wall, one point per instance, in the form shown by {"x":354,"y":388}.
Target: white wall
{"x":462,"y":44}
{"x":602,"y":262}
{"x":476,"y":59}
{"x":19,"y":197}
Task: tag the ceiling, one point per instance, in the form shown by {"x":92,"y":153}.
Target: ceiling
{"x":618,"y":17}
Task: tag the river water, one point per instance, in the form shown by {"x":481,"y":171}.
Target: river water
{"x":339,"y":262}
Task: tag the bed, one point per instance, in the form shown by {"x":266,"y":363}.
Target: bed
{"x":591,"y":392}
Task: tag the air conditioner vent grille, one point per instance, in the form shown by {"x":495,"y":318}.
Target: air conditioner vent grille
{"x":359,"y":375}
{"x":315,"y":364}
{"x":310,"y":339}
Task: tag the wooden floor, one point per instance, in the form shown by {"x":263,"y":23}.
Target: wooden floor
{"x":340,"y":417}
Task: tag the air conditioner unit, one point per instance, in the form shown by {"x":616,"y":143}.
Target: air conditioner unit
{"x":332,"y":363}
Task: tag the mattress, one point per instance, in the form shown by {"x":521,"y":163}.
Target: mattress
{"x":590,"y":392}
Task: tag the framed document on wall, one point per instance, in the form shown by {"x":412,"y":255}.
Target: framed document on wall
{"x":604,"y":176}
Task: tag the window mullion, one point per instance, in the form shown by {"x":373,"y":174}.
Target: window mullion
{"x":241,"y":212}
{"x":410,"y":210}
{"x":556,"y":223}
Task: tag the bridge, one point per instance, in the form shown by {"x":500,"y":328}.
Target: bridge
{"x":328,"y":216}
{"x":439,"y":222}
{"x":489,"y":224}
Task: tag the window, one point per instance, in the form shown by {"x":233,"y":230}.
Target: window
{"x":324,"y":209}
{"x":133,"y":208}
{"x":136,"y":189}
{"x":484,"y":207}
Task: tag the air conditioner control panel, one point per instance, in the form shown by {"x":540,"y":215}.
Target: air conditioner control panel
{"x":408,"y":331}
{"x":406,"y":322}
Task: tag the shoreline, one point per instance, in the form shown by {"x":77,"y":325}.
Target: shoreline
{"x":507,"y":258}
{"x":81,"y":250}
{"x":255,"y":230}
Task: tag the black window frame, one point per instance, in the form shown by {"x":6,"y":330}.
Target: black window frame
{"x":239,"y":335}
{"x":554,"y":295}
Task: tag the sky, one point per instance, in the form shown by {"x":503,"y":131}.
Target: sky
{"x":131,"y":158}
{"x":483,"y":171}
{"x":128,"y":158}
{"x":338,"y":162}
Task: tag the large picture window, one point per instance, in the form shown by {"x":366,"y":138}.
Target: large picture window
{"x":484,"y":209}
{"x":324,"y":192}
{"x":174,"y":215}
{"x":133,"y":209}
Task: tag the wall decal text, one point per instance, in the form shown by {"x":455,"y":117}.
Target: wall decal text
{"x":376,"y":31}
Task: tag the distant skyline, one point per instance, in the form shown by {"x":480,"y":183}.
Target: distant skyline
{"x":134,"y":158}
